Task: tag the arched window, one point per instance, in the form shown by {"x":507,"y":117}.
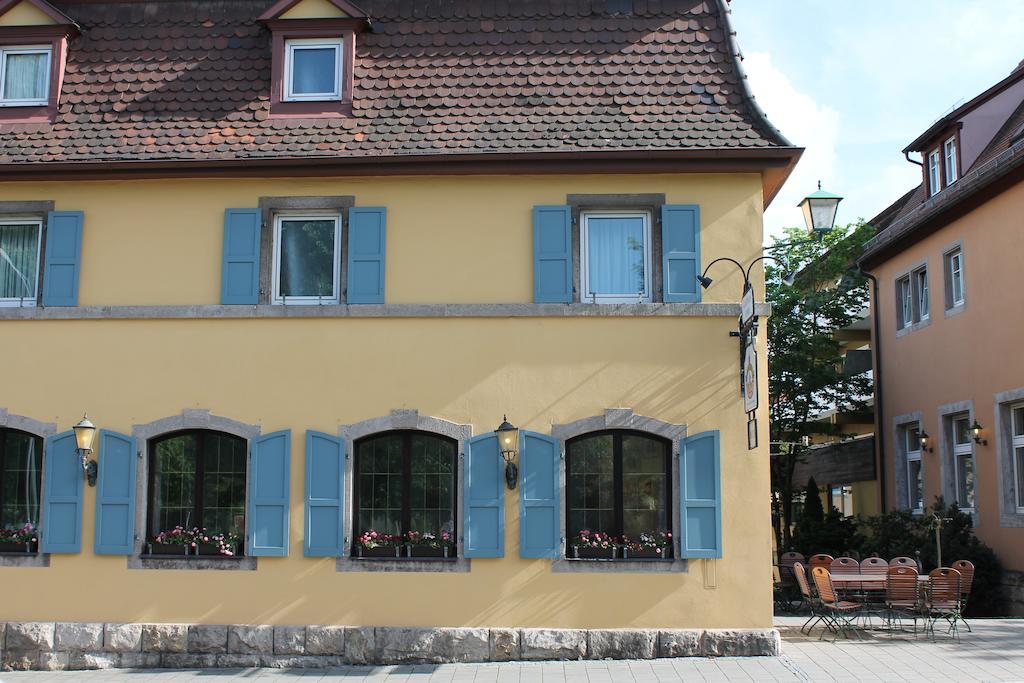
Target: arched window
{"x":21,"y":466}
{"x":619,"y":483}
{"x":405,"y":481}
{"x":197,"y":479}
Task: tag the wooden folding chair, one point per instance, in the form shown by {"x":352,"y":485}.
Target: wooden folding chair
{"x":810,"y":599}
{"x":840,"y":614}
{"x":902,"y":597}
{"x":966,"y":569}
{"x":943,"y":599}
{"x":821,"y":560}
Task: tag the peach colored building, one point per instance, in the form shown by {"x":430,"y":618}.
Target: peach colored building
{"x":950,"y":322}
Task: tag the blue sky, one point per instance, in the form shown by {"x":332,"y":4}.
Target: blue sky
{"x":854,"y":81}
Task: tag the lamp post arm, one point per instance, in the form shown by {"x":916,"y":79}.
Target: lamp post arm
{"x":731,"y":260}
{"x":763,"y":258}
{"x":813,"y":240}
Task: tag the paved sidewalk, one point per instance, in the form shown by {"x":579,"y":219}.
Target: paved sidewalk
{"x":994,"y":652}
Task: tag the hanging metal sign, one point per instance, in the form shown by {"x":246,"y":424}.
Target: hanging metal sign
{"x":751,"y":433}
{"x":747,"y":308}
{"x":750,"y":392}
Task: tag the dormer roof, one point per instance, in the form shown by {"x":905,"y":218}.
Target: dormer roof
{"x":32,"y":13}
{"x":282,"y":8}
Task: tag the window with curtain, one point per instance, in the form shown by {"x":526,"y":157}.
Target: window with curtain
{"x":24,"y":75}
{"x":949,"y":159}
{"x":313,"y":69}
{"x":616,"y":257}
{"x":954,"y":278}
{"x":21,"y":466}
{"x":1017,"y":446}
{"x":197,"y":479}
{"x":307,"y":259}
{"x":915,"y":469}
{"x":619,"y":484}
{"x":19,"y":261}
{"x":405,"y":481}
{"x":963,"y":462}
{"x":934,"y":173}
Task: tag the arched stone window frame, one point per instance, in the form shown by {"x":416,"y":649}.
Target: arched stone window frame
{"x":622,"y":419}
{"x":43,"y":430}
{"x":190,"y":418}
{"x":403,"y":419}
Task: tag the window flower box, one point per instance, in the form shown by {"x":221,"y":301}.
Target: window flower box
{"x":170,"y":549}
{"x":428,"y":551}
{"x":215,"y":550}
{"x":19,"y":540}
{"x":390,"y":551}
{"x":24,"y":547}
{"x":590,"y":553}
{"x":644,"y":554}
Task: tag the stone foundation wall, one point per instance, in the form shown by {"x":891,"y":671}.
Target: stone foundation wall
{"x":1013,"y":593}
{"x":57,"y":646}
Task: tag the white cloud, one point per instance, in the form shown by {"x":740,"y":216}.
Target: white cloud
{"x":806,"y":123}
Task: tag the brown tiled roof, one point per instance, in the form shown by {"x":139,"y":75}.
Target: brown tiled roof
{"x":190,"y":79}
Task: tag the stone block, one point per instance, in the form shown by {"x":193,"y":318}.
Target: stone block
{"x":251,"y":640}
{"x":547,"y":643}
{"x":164,"y":638}
{"x":20,"y":660}
{"x":503,"y":645}
{"x":465,"y":644}
{"x":299,"y":662}
{"x":78,"y":636}
{"x":325,"y":640}
{"x":289,"y":640}
{"x":207,"y":639}
{"x":53,"y":661}
{"x":28,"y":636}
{"x":93,"y":660}
{"x":179,"y":660}
{"x":122,"y":637}
{"x":237,"y":661}
{"x":140,"y":660}
{"x":398,"y":645}
{"x":679,"y":643}
{"x":361,"y":645}
{"x":741,"y":643}
{"x":622,"y":644}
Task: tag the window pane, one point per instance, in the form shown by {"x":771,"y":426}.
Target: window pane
{"x":1019,"y":455}
{"x":21,"y":459}
{"x":174,"y":482}
{"x":644,"y":495}
{"x":433,"y":484}
{"x":19,"y":252}
{"x":961,"y":431}
{"x":25,"y":76}
{"x":922,"y":293}
{"x":913,"y":439}
{"x":915,"y":476}
{"x":223,"y":483}
{"x":591,"y":485}
{"x":380,"y":484}
{"x":1018,"y":421}
{"x":615,"y":256}
{"x":313,"y":70}
{"x":307,"y":258}
{"x":965,"y":479}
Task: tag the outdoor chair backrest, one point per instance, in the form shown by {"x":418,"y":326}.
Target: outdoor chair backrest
{"x":786,"y":566}
{"x":801,"y":580}
{"x":944,"y":587}
{"x":874,"y":565}
{"x":821,"y":560}
{"x":844,"y":565}
{"x":901,"y":585}
{"x":966,"y":569}
{"x":790,"y":558}
{"x":823,"y":582}
{"x":903,"y":562}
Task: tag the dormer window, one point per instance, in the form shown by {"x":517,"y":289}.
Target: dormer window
{"x":313,"y":69}
{"x":25,"y":75}
{"x":934,"y":173}
{"x":949,"y":160}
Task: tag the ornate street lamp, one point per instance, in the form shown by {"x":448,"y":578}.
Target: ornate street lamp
{"x":85,"y":434}
{"x":820,"y":211}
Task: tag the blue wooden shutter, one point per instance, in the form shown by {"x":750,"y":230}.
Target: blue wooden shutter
{"x":552,"y":254}
{"x":701,"y":487}
{"x":268,"y":494}
{"x":680,"y":244}
{"x":62,"y":496}
{"x":484,"y":503}
{"x":539,"y":529}
{"x":325,"y":491}
{"x":115,"y":495}
{"x":240,"y":271}
{"x":63,"y":258}
{"x":366,"y":245}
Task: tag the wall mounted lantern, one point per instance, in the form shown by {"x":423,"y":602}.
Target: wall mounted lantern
{"x":820,"y":211}
{"x":976,"y":433}
{"x":924,"y":442}
{"x":85,"y":433}
{"x":508,"y":443}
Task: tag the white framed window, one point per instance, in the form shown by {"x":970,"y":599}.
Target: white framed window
{"x":904,"y":303}
{"x":954,"y":278}
{"x":920,"y":286}
{"x":949,"y":159}
{"x":307,"y":259}
{"x":963,"y":461}
{"x":1017,"y":445}
{"x":615,"y":259}
{"x":915,"y":468}
{"x":312,"y":69}
{"x":25,"y":75}
{"x":19,"y":260}
{"x":934,"y":179}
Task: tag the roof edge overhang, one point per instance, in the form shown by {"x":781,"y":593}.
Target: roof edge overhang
{"x":774,"y":164}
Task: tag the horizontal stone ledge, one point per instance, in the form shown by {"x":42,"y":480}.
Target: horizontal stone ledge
{"x":73,"y":645}
{"x":693,"y":310}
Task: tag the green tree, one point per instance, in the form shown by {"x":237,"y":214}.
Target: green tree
{"x":805,"y":369}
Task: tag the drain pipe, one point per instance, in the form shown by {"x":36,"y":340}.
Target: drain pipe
{"x":876,"y":349}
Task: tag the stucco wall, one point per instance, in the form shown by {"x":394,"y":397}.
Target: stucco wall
{"x":970,"y":356}
{"x":158,"y":242}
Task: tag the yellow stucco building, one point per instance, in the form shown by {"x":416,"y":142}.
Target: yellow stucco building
{"x":298,"y":261}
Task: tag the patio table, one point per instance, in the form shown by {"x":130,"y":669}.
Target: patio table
{"x":843,"y":580}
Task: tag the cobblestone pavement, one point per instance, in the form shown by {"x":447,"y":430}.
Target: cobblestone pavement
{"x":993,"y":652}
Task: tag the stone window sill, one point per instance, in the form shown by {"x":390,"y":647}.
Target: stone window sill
{"x":36,"y":559}
{"x":402,"y":564}
{"x":194,"y":562}
{"x":634,"y":566}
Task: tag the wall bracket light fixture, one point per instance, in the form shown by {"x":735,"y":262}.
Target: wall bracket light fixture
{"x":85,"y":434}
{"x":508,"y":446}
